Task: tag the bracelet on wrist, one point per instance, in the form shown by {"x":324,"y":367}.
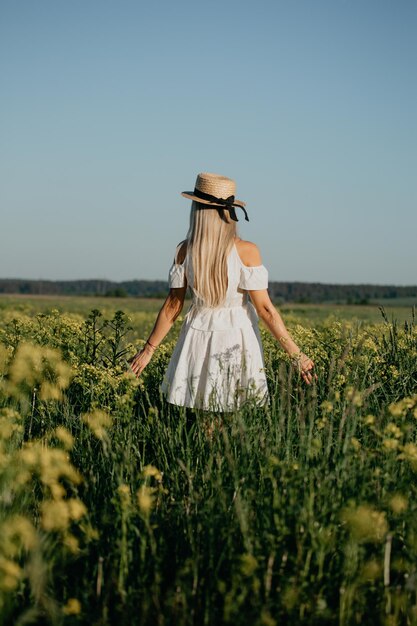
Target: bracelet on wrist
{"x":151,"y":345}
{"x":295,"y":356}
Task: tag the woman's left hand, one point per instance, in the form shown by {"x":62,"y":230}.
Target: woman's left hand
{"x":306,"y":369}
{"x":141,"y":360}
{"x":305,"y":366}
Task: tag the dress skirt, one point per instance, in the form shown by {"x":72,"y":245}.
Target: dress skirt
{"x":217,"y":363}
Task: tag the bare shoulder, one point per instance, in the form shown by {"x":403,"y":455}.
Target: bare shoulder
{"x":249,"y":253}
{"x":181,"y":251}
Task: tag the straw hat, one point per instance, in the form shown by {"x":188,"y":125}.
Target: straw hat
{"x":214,"y":190}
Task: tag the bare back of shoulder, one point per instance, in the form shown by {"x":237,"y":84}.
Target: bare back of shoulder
{"x":248,"y":252}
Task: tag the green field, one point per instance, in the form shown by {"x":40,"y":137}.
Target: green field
{"x":307,"y":313}
{"x":117,"y":508}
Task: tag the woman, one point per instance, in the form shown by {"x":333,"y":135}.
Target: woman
{"x":217,"y":363}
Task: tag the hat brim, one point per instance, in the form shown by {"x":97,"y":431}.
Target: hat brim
{"x":191,"y":196}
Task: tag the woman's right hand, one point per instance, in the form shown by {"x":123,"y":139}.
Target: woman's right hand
{"x":140,"y":360}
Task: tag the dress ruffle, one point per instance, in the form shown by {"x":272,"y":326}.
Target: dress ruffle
{"x":176,"y":276}
{"x":222,"y":318}
{"x":253,"y":278}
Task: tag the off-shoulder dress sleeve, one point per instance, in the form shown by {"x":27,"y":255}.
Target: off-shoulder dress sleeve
{"x":176,"y":276}
{"x":253,"y":278}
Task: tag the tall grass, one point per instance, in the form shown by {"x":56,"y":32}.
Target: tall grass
{"x":118,"y":508}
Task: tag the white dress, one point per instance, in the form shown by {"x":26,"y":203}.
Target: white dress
{"x":217,"y":363}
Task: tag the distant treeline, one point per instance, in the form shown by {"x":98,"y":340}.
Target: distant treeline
{"x":279,"y":291}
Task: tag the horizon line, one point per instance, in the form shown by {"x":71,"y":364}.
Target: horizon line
{"x":160,"y":280}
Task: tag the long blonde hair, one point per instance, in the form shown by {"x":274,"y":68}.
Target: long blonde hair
{"x":209,"y":240}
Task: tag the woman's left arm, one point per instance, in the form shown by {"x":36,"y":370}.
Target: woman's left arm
{"x":167,"y":315}
{"x":275,"y":324}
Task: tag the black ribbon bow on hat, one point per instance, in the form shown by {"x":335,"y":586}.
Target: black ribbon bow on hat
{"x":227,"y":203}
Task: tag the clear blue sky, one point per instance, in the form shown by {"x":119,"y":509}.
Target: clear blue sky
{"x":109,"y":109}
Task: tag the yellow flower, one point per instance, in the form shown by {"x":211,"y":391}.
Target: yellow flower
{"x":394,"y":371}
{"x":76,"y":508}
{"x":326,"y":406}
{"x":49,"y":391}
{"x":53,"y":464}
{"x":145,"y":498}
{"x":57,"y":490}
{"x":248,"y":564}
{"x":72,"y":543}
{"x":371,"y":570}
{"x":124,"y":492}
{"x":72,"y":607}
{"x":398,"y":409}
{"x":366,"y":524}
{"x":398,"y":503}
{"x":9,"y":424}
{"x":34,"y":365}
{"x":354,"y":395}
{"x":10,"y":574}
{"x":321,"y":423}
{"x":65,"y":437}
{"x":151,"y":470}
{"x":390,"y":444}
{"x":17,"y":532}
{"x":356,"y":444}
{"x":29,"y":455}
{"x":98,"y":421}
{"x":58,"y":514}
{"x":10,"y":568}
{"x":392,"y":429}
{"x":55,"y":515}
{"x":409,"y":452}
